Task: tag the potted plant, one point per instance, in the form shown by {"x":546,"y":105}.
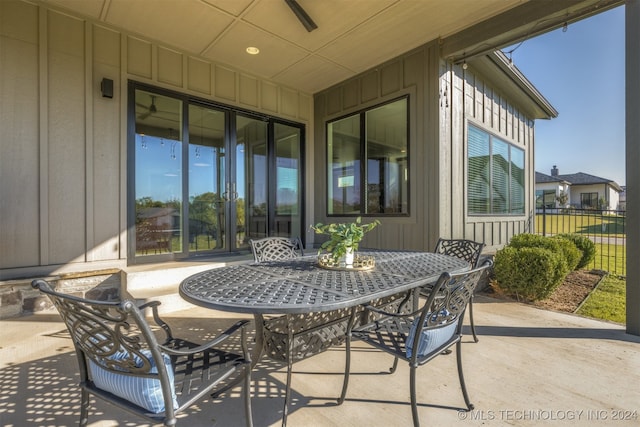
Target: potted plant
{"x":344,"y":238}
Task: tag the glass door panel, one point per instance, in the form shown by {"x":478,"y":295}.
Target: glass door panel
{"x":251,"y":180}
{"x":158,"y":174}
{"x":288,"y":217}
{"x":207,"y":179}
{"x":207,"y":182}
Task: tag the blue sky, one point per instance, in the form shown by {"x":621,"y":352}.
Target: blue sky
{"x":581,"y":73}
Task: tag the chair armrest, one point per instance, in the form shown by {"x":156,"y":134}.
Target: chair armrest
{"x":156,"y":317}
{"x":206,"y":346}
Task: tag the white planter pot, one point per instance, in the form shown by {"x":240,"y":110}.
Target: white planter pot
{"x":348,"y":257}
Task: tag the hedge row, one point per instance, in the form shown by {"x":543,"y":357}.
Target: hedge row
{"x":533,"y":266}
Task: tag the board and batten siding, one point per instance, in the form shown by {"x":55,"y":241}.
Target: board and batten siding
{"x":474,"y":100}
{"x":443,"y":98}
{"x":63,"y":146}
{"x":415,"y":74}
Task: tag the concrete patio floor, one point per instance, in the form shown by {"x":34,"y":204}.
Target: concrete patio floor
{"x":531,"y":367}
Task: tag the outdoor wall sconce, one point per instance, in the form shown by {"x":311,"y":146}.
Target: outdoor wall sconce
{"x":106,"y":87}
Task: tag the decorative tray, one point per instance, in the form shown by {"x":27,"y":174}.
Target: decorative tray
{"x":360,"y":263}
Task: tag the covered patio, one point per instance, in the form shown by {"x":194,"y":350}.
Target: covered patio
{"x":531,"y":367}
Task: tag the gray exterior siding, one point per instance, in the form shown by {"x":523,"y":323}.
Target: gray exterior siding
{"x":63,"y":146}
{"x":443,"y":99}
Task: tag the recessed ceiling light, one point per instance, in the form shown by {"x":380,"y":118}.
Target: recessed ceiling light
{"x":251,"y":50}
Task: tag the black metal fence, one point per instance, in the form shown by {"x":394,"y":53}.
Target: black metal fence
{"x":607,"y":229}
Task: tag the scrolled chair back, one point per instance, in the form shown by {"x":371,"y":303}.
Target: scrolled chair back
{"x":276,"y":248}
{"x":467,"y":250}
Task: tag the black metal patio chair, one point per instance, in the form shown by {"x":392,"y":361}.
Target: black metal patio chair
{"x":276,"y":248}
{"x":469,"y":251}
{"x":122,"y":362}
{"x":421,"y":336}
{"x":294,"y":337}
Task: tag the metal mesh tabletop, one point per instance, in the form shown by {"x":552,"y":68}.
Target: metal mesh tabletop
{"x":301,"y":286}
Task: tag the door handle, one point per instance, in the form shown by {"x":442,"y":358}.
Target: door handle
{"x":234,"y":194}
{"x":225,"y":195}
{"x":230,"y":195}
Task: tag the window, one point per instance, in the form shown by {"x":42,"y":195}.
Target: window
{"x":495,"y":175}
{"x":367,"y":166}
{"x":545,"y":198}
{"x":589,"y":200}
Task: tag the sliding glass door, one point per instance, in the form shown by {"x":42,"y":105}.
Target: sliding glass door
{"x":207,"y":179}
{"x":158,"y":151}
{"x":269,"y":179}
{"x":287,"y":199}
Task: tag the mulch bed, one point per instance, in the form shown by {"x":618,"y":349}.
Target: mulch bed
{"x":568,"y":296}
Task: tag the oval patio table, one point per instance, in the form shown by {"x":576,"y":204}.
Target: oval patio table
{"x":317,"y":302}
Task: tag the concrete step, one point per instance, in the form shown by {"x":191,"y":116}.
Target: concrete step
{"x":160,"y":282}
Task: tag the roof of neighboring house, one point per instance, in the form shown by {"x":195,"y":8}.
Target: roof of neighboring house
{"x":579,"y":178}
{"x":544,"y":179}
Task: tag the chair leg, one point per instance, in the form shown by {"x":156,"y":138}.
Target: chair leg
{"x":412,"y":391}
{"x":461,"y":376}
{"x":84,"y":408}
{"x":287,"y":391}
{"x":394,"y":366}
{"x":247,"y":395}
{"x":473,"y":326}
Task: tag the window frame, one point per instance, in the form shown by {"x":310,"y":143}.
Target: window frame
{"x":231,"y":114}
{"x":543,"y":196}
{"x":590,"y":195}
{"x":361,"y":114}
{"x":509,"y":178}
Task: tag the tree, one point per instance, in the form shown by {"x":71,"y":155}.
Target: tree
{"x":562,"y":198}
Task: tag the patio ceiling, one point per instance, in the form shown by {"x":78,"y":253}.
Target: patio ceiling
{"x":351,"y":36}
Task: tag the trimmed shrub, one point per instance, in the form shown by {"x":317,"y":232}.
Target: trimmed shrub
{"x":527,"y":240}
{"x":585,"y":245}
{"x":570,"y":251}
{"x":531,"y":273}
{"x":556,"y":246}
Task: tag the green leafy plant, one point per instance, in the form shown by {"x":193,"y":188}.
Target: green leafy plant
{"x":531,"y":273}
{"x":570,"y":254}
{"x":585,"y":245}
{"x":343,"y":236}
{"x":570,"y":251}
{"x":533,"y":266}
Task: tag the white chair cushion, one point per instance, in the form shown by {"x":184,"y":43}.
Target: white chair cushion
{"x":144,"y":392}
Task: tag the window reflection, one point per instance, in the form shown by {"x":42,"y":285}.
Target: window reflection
{"x":158,"y":176}
{"x":288,"y":176}
{"x":384,"y":186}
{"x":206,"y":179}
{"x":495,"y":175}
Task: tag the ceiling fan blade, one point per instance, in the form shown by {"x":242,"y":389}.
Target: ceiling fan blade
{"x":144,"y":115}
{"x":303,"y":16}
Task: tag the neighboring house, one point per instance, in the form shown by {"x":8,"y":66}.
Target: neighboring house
{"x":549,"y":189}
{"x":584,"y":191}
{"x":623,"y":198}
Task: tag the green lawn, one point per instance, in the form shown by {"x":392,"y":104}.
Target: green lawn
{"x":611,"y":258}
{"x":593,"y":225}
{"x":608,"y":302}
